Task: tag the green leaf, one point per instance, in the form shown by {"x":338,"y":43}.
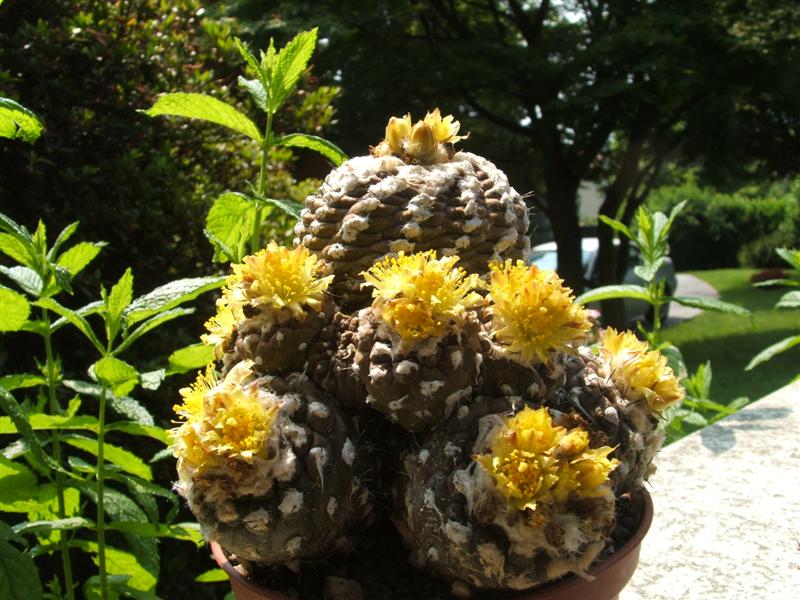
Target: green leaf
{"x":151,"y":380}
{"x":121,"y":562}
{"x":789,"y":300}
{"x":205,"y":108}
{"x":179,"y":531}
{"x":256,"y":90}
{"x":17,"y":248}
{"x":18,"y":487}
{"x":133,"y":428}
{"x":169,"y":296}
{"x":248,"y":57}
{"x":19,"y":417}
{"x":78,"y":257}
{"x":62,"y":238}
{"x":288,"y":206}
{"x":212,"y":576}
{"x":190,"y":358}
{"x":149,"y":325}
{"x":648,"y":271}
{"x":74,"y":318}
{"x":712,"y":304}
{"x":301,"y":140}
{"x":119,"y":298}
{"x":53,"y":525}
{"x":45,"y":422}
{"x":21,"y":380}
{"x":27,"y":279}
{"x":791,"y":256}
{"x":616,"y":225}
{"x":19,"y":578}
{"x":124,"y":459}
{"x":738,"y":403}
{"x":773,"y":350}
{"x":289,"y":65}
{"x":696,"y":419}
{"x":125,"y":405}
{"x":609,"y":292}
{"x":116,"y":374}
{"x":18,"y":122}
{"x":92,"y":308}
{"x":14,"y":310}
{"x":230,"y":223}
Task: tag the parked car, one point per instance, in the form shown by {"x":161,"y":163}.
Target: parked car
{"x":544,"y":256}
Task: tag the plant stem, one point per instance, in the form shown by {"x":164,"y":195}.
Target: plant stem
{"x":100,"y":475}
{"x":54,"y":410}
{"x":266,"y":145}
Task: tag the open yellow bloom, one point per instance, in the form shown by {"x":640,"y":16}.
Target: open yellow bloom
{"x":420,"y":296}
{"x":221,"y":326}
{"x":279,"y":278}
{"x":532,"y":461}
{"x":423,"y":141}
{"x":225,"y":420}
{"x":445,"y":130}
{"x":532,"y":312}
{"x":397,"y":131}
{"x":641,"y":373}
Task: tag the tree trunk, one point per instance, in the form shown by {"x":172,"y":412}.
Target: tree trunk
{"x":562,"y":211}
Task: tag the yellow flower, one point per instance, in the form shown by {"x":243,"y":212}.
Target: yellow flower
{"x":532,"y":461}
{"x":227,"y":420}
{"x":421,"y":143}
{"x":532,"y":312}
{"x":397,"y":131}
{"x":420,"y":296}
{"x":445,"y":130}
{"x":424,"y":142}
{"x":280,"y":278}
{"x":639,"y":372}
{"x":221,"y":326}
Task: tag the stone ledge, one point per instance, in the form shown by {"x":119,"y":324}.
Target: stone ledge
{"x":727,"y":517}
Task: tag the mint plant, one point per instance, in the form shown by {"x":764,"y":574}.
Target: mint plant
{"x":234,"y":223}
{"x":57,"y":456}
{"x":18,"y":122}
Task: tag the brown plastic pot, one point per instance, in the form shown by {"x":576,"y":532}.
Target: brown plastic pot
{"x":606,"y":579}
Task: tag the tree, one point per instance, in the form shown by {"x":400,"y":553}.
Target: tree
{"x":562,"y":92}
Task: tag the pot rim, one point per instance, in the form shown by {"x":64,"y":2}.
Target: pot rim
{"x":555,"y":589}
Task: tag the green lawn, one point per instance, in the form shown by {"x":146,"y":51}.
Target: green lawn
{"x":730,"y":341}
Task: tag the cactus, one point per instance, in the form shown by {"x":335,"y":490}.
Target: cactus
{"x":403,"y":364}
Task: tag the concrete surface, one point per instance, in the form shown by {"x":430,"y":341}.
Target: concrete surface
{"x":726,"y":520}
{"x":688,"y":285}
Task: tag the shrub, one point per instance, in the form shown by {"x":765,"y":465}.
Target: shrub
{"x":718,"y":230}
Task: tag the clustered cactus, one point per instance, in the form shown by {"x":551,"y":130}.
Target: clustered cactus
{"x":406,"y":300}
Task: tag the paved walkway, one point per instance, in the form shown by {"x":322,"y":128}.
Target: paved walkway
{"x":726,"y":518}
{"x":688,"y":285}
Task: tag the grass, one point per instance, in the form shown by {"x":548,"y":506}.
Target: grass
{"x":731,"y":341}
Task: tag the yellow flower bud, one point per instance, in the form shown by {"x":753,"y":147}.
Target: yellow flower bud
{"x":396,"y":131}
{"x":422,"y":142}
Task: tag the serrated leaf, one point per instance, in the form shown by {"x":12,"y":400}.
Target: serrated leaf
{"x":609,"y":292}
{"x":18,"y":249}
{"x":21,"y":380}
{"x":712,"y":304}
{"x":773,"y":350}
{"x":124,"y":406}
{"x":27,"y":279}
{"x":119,"y":298}
{"x":53,"y":525}
{"x":62,"y":238}
{"x":231,"y":221}
{"x":18,"y":122}
{"x":14,"y":310}
{"x":149,"y":325}
{"x":151,"y":380}
{"x":205,"y":108}
{"x":121,"y":562}
{"x":78,"y":257}
{"x":789,"y":300}
{"x":178,"y":531}
{"x":648,"y":271}
{"x":124,"y":459}
{"x":190,"y":358}
{"x":616,"y":225}
{"x":84,"y":311}
{"x":118,"y":375}
{"x":695,"y":418}
{"x":74,"y":318}
{"x":45,"y":422}
{"x":288,"y":206}
{"x":18,"y":486}
{"x":248,"y":56}
{"x":169,"y":296}
{"x":675,"y":360}
{"x":19,"y":578}
{"x":312,"y":142}
{"x":289,"y":65}
{"x":212,"y":576}
{"x":738,"y":403}
{"x":19,"y":417}
{"x":256,"y":90}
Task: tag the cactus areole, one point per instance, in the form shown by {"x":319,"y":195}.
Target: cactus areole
{"x":402,"y":369}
